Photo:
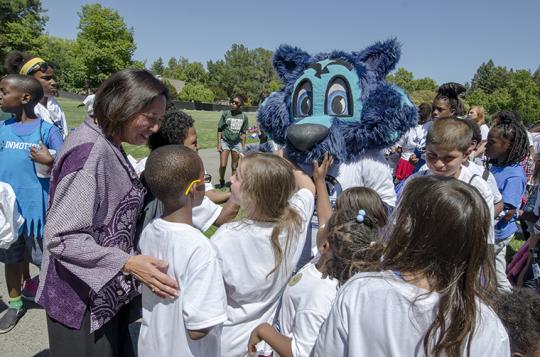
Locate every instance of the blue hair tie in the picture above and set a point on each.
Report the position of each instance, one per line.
(361, 216)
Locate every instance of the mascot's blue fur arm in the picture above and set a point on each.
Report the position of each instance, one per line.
(380, 115)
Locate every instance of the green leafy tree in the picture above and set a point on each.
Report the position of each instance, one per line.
(104, 43)
(158, 67)
(406, 80)
(524, 95)
(60, 52)
(21, 25)
(489, 77)
(243, 71)
(196, 92)
(195, 72)
(478, 97)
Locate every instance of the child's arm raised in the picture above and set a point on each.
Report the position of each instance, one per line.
(324, 207)
(303, 180)
(266, 332)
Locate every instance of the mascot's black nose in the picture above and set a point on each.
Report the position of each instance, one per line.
(305, 136)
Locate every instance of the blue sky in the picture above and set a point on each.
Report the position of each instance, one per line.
(445, 40)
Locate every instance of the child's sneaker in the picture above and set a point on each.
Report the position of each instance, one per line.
(10, 318)
(29, 288)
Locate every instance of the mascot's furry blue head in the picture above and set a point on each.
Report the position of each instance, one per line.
(336, 102)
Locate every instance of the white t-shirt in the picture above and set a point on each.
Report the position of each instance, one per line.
(246, 256)
(536, 142)
(372, 171)
(53, 114)
(414, 139)
(306, 303)
(479, 170)
(10, 218)
(484, 130)
(89, 102)
(201, 302)
(378, 314)
(468, 176)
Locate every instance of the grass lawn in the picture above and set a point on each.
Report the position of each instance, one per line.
(205, 123)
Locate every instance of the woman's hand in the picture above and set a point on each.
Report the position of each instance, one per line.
(320, 171)
(152, 272)
(41, 155)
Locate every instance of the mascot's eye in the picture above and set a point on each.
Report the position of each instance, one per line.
(338, 98)
(303, 100)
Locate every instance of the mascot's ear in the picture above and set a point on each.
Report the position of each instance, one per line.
(381, 57)
(290, 62)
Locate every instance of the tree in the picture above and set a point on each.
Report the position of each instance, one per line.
(60, 52)
(489, 77)
(158, 67)
(21, 25)
(406, 80)
(104, 44)
(524, 95)
(196, 92)
(243, 71)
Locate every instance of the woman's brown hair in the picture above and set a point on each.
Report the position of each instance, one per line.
(124, 95)
(441, 231)
(267, 185)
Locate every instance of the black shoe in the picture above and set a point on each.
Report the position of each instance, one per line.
(10, 318)
(228, 184)
(221, 184)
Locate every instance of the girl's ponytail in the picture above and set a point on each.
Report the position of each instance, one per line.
(291, 223)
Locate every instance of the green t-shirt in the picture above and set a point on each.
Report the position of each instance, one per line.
(232, 125)
(4, 115)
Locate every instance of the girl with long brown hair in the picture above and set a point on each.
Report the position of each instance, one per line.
(430, 292)
(259, 253)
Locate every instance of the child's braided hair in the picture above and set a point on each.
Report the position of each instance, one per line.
(513, 130)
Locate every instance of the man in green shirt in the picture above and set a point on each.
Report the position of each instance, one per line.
(232, 128)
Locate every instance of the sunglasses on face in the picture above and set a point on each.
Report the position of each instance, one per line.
(41, 66)
(235, 102)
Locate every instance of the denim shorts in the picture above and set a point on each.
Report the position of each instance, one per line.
(23, 249)
(231, 147)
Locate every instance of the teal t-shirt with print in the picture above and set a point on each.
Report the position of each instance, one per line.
(232, 125)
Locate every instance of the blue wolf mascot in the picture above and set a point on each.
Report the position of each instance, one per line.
(340, 103)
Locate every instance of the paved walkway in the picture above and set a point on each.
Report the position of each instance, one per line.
(29, 337)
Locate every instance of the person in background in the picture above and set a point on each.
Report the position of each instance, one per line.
(25, 141)
(447, 102)
(89, 103)
(506, 148)
(48, 108)
(478, 114)
(231, 137)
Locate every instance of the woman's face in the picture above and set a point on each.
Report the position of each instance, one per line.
(138, 130)
(235, 104)
(441, 109)
(47, 81)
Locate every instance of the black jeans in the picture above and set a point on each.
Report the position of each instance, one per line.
(111, 340)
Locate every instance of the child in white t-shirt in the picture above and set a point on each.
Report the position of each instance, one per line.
(309, 295)
(448, 146)
(259, 253)
(188, 325)
(178, 128)
(430, 292)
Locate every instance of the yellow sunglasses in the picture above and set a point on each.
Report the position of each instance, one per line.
(191, 185)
